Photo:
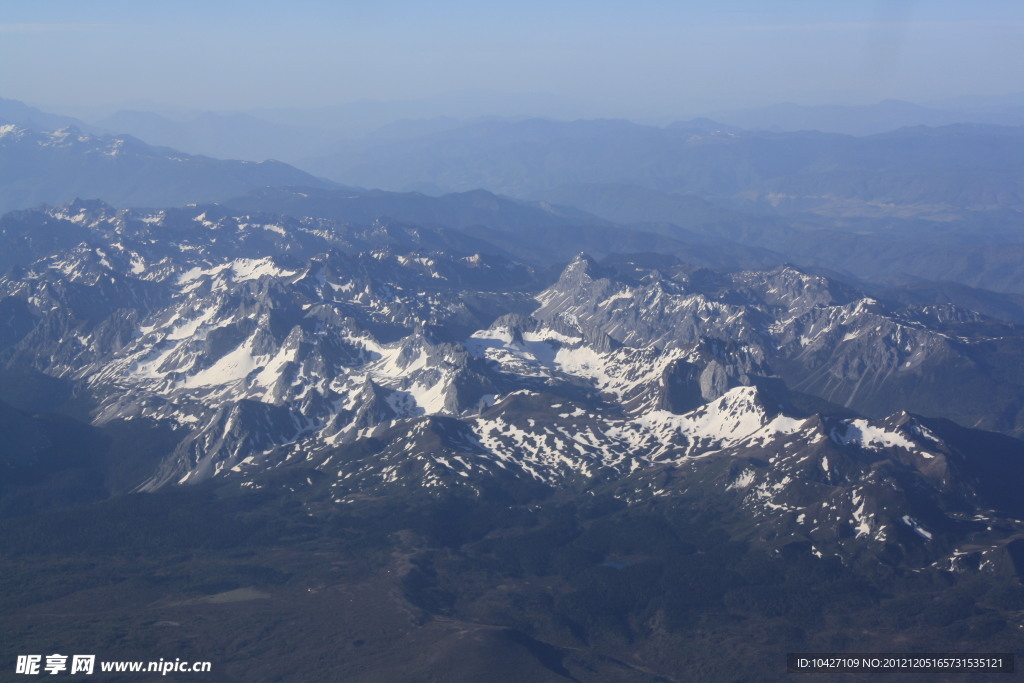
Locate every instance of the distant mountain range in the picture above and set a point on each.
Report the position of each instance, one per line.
(58, 166)
(224, 136)
(24, 116)
(871, 119)
(913, 171)
(906, 169)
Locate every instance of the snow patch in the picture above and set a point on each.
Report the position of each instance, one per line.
(745, 479)
(865, 435)
(918, 529)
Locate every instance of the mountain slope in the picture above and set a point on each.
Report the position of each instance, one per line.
(58, 166)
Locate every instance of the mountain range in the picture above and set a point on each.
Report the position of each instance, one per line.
(58, 166)
(932, 169)
(682, 400)
(387, 356)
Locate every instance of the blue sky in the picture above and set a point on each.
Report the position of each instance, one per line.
(651, 57)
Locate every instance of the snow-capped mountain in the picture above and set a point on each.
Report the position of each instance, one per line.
(378, 363)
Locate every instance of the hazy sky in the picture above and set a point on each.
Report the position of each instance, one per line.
(653, 57)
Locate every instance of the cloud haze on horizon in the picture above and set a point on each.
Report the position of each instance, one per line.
(650, 58)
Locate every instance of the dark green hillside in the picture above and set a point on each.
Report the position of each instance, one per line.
(405, 589)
